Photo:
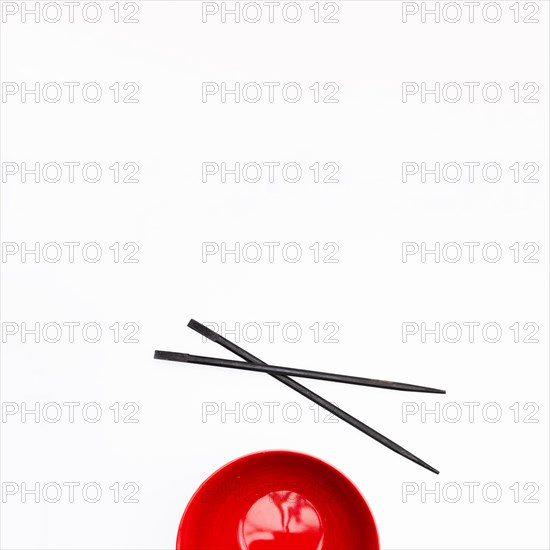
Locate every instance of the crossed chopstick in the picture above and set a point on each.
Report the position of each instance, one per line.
(282, 374)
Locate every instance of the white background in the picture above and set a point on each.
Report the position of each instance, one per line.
(368, 293)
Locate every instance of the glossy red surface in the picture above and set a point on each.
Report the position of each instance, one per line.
(277, 500)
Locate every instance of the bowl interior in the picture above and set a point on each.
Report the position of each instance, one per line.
(277, 500)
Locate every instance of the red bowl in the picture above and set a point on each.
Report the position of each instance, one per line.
(277, 500)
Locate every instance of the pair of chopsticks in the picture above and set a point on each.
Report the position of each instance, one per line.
(282, 375)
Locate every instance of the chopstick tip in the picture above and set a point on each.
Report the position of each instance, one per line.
(431, 468)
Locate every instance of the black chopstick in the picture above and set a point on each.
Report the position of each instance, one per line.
(296, 386)
(285, 371)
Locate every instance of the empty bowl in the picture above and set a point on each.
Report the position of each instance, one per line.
(277, 500)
